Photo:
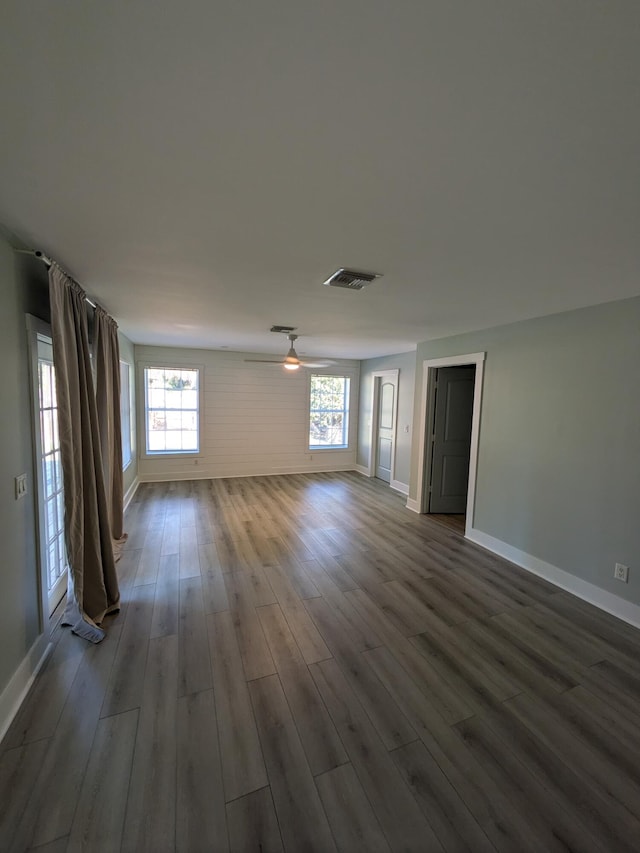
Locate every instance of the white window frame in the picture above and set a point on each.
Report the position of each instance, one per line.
(131, 409)
(336, 448)
(49, 598)
(142, 408)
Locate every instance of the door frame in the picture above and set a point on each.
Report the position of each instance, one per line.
(36, 326)
(425, 438)
(378, 376)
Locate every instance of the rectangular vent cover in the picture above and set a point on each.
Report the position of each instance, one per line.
(351, 279)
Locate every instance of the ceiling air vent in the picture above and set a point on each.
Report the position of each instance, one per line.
(284, 329)
(351, 279)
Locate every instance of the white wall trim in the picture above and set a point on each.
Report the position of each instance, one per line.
(182, 475)
(403, 488)
(413, 505)
(35, 327)
(625, 610)
(362, 469)
(16, 690)
(427, 398)
(128, 495)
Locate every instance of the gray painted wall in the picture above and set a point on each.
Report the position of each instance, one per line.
(24, 290)
(406, 363)
(559, 452)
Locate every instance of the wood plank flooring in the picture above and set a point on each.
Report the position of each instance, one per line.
(302, 664)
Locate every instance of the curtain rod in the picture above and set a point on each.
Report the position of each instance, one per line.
(36, 253)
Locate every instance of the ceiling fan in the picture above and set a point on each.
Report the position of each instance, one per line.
(291, 360)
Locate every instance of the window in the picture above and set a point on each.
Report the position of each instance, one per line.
(172, 409)
(50, 488)
(126, 407)
(329, 412)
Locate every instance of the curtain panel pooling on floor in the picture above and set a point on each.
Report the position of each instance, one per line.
(93, 584)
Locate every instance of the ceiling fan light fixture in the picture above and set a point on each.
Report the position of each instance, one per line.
(291, 360)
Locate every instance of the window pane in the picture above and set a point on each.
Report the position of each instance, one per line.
(50, 513)
(156, 441)
(189, 399)
(156, 398)
(189, 441)
(125, 412)
(174, 439)
(45, 386)
(189, 421)
(47, 431)
(174, 420)
(173, 399)
(60, 511)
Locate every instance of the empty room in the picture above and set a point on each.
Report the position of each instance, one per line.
(321, 426)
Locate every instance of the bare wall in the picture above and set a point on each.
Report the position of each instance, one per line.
(559, 453)
(24, 290)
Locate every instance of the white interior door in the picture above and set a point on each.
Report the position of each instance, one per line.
(385, 437)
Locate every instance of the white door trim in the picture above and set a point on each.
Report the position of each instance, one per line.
(427, 402)
(377, 376)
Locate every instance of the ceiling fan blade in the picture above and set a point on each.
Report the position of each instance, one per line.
(325, 363)
(263, 361)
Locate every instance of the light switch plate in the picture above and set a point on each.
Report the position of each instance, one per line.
(21, 486)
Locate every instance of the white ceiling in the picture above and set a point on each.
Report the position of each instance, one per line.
(202, 167)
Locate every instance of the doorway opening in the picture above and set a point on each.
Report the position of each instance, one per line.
(448, 438)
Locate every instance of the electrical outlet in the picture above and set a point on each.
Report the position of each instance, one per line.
(621, 573)
(21, 486)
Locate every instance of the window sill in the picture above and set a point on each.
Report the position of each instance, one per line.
(171, 455)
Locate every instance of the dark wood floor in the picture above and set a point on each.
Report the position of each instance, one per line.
(453, 521)
(302, 664)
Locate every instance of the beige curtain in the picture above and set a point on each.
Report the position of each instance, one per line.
(93, 583)
(107, 370)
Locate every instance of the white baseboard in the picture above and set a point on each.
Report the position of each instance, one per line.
(360, 469)
(413, 505)
(275, 472)
(625, 610)
(403, 488)
(16, 690)
(128, 495)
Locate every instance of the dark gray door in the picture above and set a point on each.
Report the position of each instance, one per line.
(452, 439)
(386, 429)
